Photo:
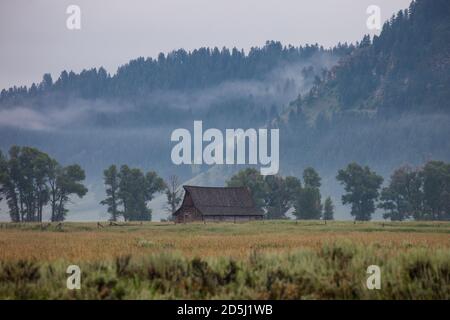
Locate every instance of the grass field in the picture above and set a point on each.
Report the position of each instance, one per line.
(258, 260)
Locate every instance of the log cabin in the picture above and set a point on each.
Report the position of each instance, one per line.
(217, 204)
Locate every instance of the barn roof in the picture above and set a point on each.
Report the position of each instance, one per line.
(235, 201)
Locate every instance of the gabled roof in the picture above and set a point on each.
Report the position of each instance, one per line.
(236, 201)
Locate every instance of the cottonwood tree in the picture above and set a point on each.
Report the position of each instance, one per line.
(403, 197)
(308, 204)
(136, 189)
(66, 182)
(280, 195)
(111, 180)
(23, 180)
(362, 190)
(8, 185)
(3, 174)
(436, 190)
(30, 179)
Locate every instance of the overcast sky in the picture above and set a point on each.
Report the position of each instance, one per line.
(34, 38)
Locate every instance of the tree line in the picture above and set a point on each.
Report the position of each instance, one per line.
(421, 193)
(177, 70)
(31, 180)
(276, 195)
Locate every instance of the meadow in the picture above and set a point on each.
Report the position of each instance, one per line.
(257, 260)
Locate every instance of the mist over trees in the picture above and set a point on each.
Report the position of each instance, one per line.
(178, 70)
(404, 69)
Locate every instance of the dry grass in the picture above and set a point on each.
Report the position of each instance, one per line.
(83, 242)
(260, 260)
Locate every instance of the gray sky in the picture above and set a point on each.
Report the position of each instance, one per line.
(34, 38)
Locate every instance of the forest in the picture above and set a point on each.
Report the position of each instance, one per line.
(177, 70)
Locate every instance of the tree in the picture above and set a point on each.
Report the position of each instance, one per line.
(132, 194)
(23, 180)
(173, 193)
(436, 190)
(111, 180)
(3, 174)
(273, 194)
(54, 189)
(254, 181)
(68, 182)
(30, 179)
(136, 190)
(328, 209)
(41, 166)
(362, 190)
(308, 204)
(402, 199)
(280, 195)
(47, 82)
(311, 178)
(9, 183)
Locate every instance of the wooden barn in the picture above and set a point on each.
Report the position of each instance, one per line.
(217, 204)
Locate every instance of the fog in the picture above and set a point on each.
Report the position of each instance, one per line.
(98, 133)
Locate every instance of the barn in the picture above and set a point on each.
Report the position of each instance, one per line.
(217, 204)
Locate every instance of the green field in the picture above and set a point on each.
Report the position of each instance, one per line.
(258, 260)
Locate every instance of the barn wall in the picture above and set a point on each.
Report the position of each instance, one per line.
(188, 214)
(231, 218)
(192, 215)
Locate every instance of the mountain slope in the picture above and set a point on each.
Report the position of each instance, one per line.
(405, 69)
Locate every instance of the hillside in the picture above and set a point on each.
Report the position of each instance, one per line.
(404, 69)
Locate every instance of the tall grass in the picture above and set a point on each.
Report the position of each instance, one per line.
(336, 270)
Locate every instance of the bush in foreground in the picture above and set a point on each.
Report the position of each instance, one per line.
(336, 271)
